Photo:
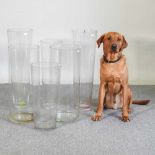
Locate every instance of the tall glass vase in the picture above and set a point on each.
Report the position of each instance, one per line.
(87, 41)
(21, 55)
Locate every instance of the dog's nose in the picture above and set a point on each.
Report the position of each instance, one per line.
(113, 47)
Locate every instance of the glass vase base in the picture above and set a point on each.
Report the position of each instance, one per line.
(63, 117)
(21, 117)
(45, 125)
(85, 106)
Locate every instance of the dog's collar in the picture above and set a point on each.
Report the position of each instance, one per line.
(104, 58)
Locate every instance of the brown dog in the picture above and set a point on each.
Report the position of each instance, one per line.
(114, 77)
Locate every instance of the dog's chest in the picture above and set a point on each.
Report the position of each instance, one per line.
(112, 72)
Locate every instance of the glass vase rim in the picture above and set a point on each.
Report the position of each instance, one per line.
(19, 30)
(66, 44)
(85, 31)
(50, 40)
(31, 46)
(46, 64)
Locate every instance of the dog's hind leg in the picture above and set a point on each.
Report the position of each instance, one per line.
(109, 103)
(129, 99)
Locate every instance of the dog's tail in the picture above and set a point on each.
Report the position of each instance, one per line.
(140, 102)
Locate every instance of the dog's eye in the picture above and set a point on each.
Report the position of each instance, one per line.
(109, 38)
(119, 39)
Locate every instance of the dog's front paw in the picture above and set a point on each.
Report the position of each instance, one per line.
(96, 117)
(125, 118)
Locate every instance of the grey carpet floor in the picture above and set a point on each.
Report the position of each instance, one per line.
(84, 137)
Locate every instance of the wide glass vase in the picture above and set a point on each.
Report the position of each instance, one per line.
(68, 55)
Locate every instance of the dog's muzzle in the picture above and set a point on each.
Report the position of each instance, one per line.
(113, 47)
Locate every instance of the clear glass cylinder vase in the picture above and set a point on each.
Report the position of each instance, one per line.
(21, 57)
(68, 54)
(87, 42)
(45, 77)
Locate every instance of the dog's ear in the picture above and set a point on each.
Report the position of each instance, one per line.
(100, 40)
(124, 44)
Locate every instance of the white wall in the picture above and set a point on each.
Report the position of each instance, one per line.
(56, 18)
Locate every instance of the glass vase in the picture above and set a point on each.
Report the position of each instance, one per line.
(87, 41)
